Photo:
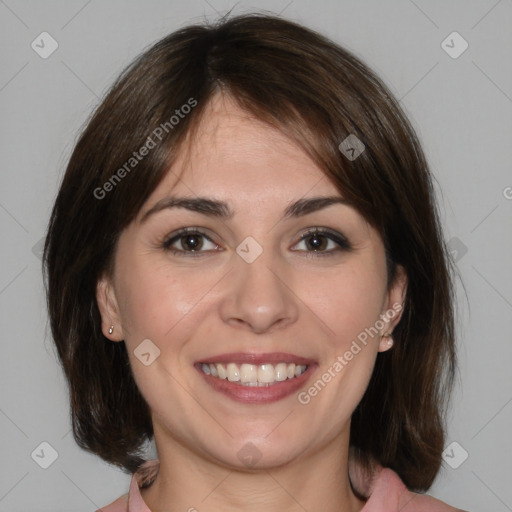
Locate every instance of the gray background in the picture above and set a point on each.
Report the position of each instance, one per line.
(461, 108)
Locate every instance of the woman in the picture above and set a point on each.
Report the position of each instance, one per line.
(245, 263)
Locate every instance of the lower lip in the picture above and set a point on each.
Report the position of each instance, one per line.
(258, 395)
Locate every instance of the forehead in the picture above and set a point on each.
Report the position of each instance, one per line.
(234, 156)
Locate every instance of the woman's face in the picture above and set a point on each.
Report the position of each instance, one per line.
(244, 290)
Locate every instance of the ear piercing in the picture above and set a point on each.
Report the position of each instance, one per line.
(111, 330)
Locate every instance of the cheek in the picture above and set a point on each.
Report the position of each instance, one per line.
(145, 295)
(157, 302)
(159, 305)
(353, 300)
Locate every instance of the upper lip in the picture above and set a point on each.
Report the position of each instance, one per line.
(257, 358)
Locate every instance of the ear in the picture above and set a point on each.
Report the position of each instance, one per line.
(394, 306)
(109, 310)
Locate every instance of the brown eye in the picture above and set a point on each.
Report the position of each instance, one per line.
(191, 242)
(323, 242)
(316, 242)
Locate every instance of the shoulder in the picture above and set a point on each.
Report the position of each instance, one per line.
(383, 489)
(120, 505)
(388, 488)
(133, 502)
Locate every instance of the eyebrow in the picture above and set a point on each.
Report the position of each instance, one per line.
(220, 209)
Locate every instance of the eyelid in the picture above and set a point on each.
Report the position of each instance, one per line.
(334, 236)
(331, 234)
(172, 238)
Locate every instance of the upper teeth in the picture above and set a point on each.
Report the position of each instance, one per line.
(254, 375)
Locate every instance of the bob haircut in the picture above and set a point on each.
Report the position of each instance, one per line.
(318, 94)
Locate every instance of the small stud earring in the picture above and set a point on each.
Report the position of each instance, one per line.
(111, 330)
(389, 341)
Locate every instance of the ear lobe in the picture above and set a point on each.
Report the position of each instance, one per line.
(107, 304)
(385, 343)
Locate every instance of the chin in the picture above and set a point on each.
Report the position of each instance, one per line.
(258, 452)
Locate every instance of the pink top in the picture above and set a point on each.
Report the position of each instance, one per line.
(385, 493)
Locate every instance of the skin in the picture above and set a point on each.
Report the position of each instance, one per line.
(290, 299)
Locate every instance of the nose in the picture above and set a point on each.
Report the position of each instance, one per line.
(258, 296)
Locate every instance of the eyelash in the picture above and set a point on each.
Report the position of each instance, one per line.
(343, 243)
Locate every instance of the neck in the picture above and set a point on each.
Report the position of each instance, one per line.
(188, 481)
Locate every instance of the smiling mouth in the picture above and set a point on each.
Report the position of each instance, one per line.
(261, 375)
(256, 378)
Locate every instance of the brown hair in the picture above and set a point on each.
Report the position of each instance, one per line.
(317, 93)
